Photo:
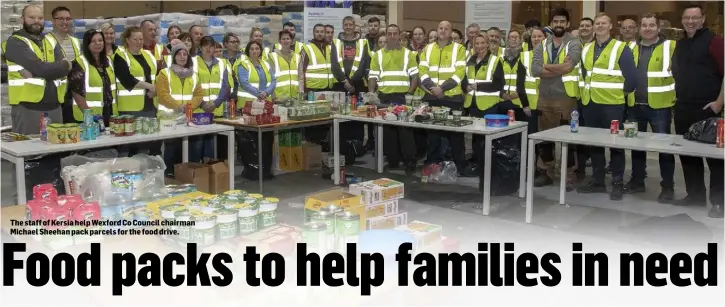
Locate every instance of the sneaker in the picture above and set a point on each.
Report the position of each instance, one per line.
(592, 187)
(716, 212)
(543, 180)
(617, 191)
(633, 187)
(690, 200)
(667, 195)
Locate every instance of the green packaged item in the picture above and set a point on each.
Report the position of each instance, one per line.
(247, 218)
(227, 224)
(185, 232)
(268, 212)
(204, 230)
(314, 235)
(347, 229)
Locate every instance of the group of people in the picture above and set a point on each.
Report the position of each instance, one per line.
(542, 74)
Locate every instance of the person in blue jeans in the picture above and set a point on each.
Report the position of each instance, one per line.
(654, 99)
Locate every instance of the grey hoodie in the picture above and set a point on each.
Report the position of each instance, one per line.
(645, 54)
(553, 87)
(18, 52)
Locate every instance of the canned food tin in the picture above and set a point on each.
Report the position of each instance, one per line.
(614, 127)
(185, 232)
(211, 208)
(327, 218)
(112, 124)
(227, 224)
(512, 116)
(334, 209)
(139, 124)
(204, 230)
(154, 125)
(146, 126)
(247, 218)
(347, 229)
(268, 212)
(315, 236)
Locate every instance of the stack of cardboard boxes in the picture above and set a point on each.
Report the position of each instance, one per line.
(380, 198)
(290, 151)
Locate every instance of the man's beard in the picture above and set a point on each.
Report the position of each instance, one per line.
(558, 31)
(512, 51)
(33, 28)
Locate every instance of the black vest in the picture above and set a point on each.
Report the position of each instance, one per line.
(697, 78)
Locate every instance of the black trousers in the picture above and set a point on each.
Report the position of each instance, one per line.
(438, 141)
(686, 114)
(601, 116)
(399, 142)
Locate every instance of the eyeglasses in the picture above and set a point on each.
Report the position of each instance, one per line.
(66, 19)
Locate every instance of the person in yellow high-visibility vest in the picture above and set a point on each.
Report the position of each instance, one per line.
(609, 75)
(37, 73)
(296, 46)
(136, 70)
(554, 62)
(442, 68)
(178, 87)
(286, 63)
(215, 77)
(256, 83)
(653, 102)
(92, 82)
(394, 72)
(63, 34)
(417, 43)
(494, 39)
(514, 92)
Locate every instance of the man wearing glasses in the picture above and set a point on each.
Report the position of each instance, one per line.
(62, 32)
(628, 31)
(697, 66)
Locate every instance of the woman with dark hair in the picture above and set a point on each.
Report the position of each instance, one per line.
(92, 83)
(457, 36)
(418, 39)
(178, 87)
(256, 82)
(172, 33)
(186, 39)
(286, 63)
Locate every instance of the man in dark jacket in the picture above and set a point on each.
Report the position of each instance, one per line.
(698, 71)
(26, 115)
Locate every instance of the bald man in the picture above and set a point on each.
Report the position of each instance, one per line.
(442, 68)
(628, 31)
(25, 65)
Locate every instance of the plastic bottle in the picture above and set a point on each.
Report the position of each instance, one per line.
(44, 122)
(574, 123)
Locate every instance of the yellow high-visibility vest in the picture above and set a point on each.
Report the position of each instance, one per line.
(660, 83)
(94, 89)
(211, 82)
(319, 71)
(133, 100)
(182, 92)
(484, 74)
(604, 82)
(254, 79)
(32, 90)
(392, 69)
(285, 72)
(442, 64)
(532, 83)
(571, 80)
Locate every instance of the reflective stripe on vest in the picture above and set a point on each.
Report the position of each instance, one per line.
(532, 83)
(571, 80)
(439, 74)
(183, 94)
(133, 100)
(484, 100)
(361, 46)
(393, 77)
(510, 76)
(32, 90)
(253, 79)
(286, 75)
(93, 84)
(660, 83)
(604, 82)
(319, 73)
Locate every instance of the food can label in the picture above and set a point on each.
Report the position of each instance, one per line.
(247, 224)
(268, 218)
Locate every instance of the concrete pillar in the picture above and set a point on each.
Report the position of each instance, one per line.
(395, 13)
(590, 8)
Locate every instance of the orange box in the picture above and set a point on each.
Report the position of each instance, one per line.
(297, 159)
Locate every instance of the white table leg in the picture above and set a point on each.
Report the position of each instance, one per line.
(562, 183)
(214, 147)
(487, 175)
(379, 148)
(524, 164)
(185, 149)
(231, 157)
(336, 150)
(20, 179)
(259, 160)
(530, 182)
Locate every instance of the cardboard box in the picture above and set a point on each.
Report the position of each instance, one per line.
(210, 177)
(378, 191)
(382, 209)
(290, 158)
(311, 156)
(194, 173)
(328, 159)
(218, 175)
(426, 235)
(337, 197)
(387, 222)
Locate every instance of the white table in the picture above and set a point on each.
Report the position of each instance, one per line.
(16, 152)
(598, 137)
(478, 127)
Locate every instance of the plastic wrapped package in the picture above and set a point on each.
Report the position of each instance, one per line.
(704, 131)
(445, 172)
(41, 170)
(109, 181)
(505, 165)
